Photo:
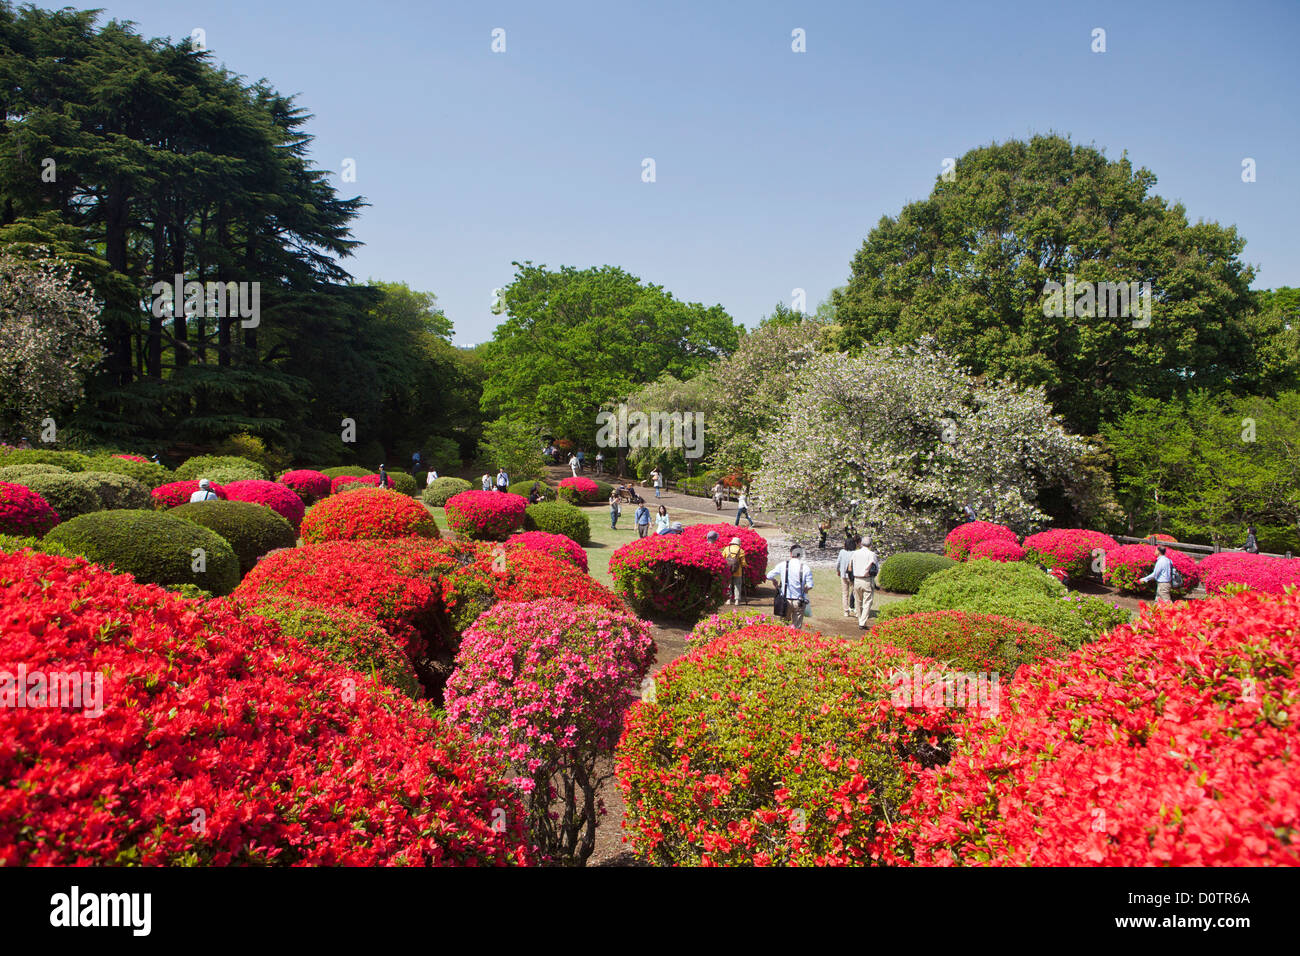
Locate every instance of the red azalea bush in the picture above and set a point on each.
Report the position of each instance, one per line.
(178, 493)
(1255, 571)
(556, 545)
(772, 746)
(486, 515)
(980, 643)
(962, 538)
(139, 458)
(666, 574)
(275, 496)
(1126, 566)
(544, 685)
(996, 549)
(1167, 538)
(339, 482)
(751, 542)
(1068, 549)
(579, 490)
(1170, 742)
(523, 575)
(24, 513)
(310, 486)
(221, 742)
(369, 513)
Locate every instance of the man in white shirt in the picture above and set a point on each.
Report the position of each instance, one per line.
(863, 565)
(204, 493)
(844, 568)
(795, 578)
(1163, 575)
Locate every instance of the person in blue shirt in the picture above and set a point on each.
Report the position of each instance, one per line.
(642, 518)
(795, 578)
(503, 480)
(1163, 575)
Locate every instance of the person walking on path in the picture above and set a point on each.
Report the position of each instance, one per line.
(503, 480)
(844, 568)
(204, 492)
(657, 477)
(736, 564)
(864, 569)
(1163, 575)
(742, 509)
(384, 480)
(600, 462)
(615, 509)
(573, 465)
(717, 495)
(486, 481)
(1252, 546)
(661, 521)
(582, 459)
(432, 477)
(794, 579)
(642, 519)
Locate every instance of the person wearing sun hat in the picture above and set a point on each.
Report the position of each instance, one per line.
(734, 554)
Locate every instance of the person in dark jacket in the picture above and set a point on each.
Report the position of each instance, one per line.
(1252, 546)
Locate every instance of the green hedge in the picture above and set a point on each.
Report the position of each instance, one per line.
(404, 483)
(436, 495)
(906, 571)
(558, 517)
(250, 529)
(223, 469)
(11, 543)
(154, 546)
(352, 471)
(524, 487)
(71, 460)
(14, 474)
(148, 473)
(66, 494)
(115, 491)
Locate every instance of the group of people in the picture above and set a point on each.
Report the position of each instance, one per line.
(500, 483)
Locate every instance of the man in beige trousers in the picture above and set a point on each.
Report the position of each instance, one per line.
(864, 585)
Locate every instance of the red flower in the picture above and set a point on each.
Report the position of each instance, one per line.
(996, 549)
(310, 486)
(556, 545)
(178, 493)
(1072, 550)
(277, 497)
(751, 542)
(376, 513)
(963, 537)
(24, 513)
(1126, 566)
(490, 515)
(670, 575)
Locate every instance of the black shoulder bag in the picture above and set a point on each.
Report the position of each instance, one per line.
(778, 603)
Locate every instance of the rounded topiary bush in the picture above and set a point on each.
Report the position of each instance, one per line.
(1072, 550)
(996, 549)
(979, 643)
(1225, 569)
(668, 575)
(771, 746)
(963, 537)
(279, 498)
(148, 473)
(578, 490)
(367, 513)
(251, 530)
(68, 460)
(485, 515)
(154, 547)
(525, 488)
(16, 473)
(296, 760)
(116, 491)
(442, 490)
(66, 494)
(24, 513)
(558, 517)
(222, 469)
(176, 493)
(751, 542)
(310, 486)
(556, 545)
(906, 571)
(402, 483)
(352, 470)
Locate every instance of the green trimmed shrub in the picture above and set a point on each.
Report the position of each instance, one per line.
(14, 474)
(148, 473)
(10, 543)
(71, 460)
(154, 546)
(906, 571)
(603, 490)
(223, 469)
(403, 483)
(250, 529)
(66, 494)
(978, 643)
(524, 487)
(558, 517)
(437, 494)
(352, 471)
(115, 491)
(190, 591)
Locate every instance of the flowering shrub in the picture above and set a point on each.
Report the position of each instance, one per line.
(1167, 538)
(485, 515)
(178, 493)
(558, 517)
(250, 530)
(310, 486)
(728, 622)
(1171, 742)
(1126, 566)
(996, 549)
(545, 685)
(556, 545)
(772, 746)
(1067, 549)
(521, 575)
(140, 458)
(578, 490)
(962, 538)
(906, 571)
(1255, 571)
(277, 497)
(987, 643)
(24, 513)
(368, 513)
(667, 575)
(751, 542)
(149, 473)
(288, 757)
(339, 482)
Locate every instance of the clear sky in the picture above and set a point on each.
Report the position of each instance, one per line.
(771, 166)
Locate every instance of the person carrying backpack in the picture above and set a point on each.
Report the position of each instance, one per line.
(794, 579)
(1163, 574)
(864, 565)
(844, 568)
(204, 492)
(615, 509)
(734, 554)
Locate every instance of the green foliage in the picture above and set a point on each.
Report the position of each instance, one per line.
(65, 493)
(154, 546)
(68, 460)
(906, 571)
(558, 517)
(190, 591)
(254, 449)
(114, 491)
(441, 489)
(351, 471)
(16, 473)
(402, 482)
(512, 445)
(251, 530)
(148, 473)
(12, 543)
(222, 469)
(524, 487)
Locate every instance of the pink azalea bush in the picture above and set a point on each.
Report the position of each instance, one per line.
(751, 542)
(556, 545)
(310, 486)
(1126, 566)
(667, 574)
(139, 458)
(997, 549)
(24, 513)
(485, 515)
(178, 493)
(962, 538)
(578, 490)
(279, 498)
(1068, 549)
(1255, 571)
(544, 685)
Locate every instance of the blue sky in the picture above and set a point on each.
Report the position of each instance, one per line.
(771, 166)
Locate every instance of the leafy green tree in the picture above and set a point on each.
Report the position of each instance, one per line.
(513, 445)
(970, 265)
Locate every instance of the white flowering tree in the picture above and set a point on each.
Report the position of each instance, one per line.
(50, 339)
(900, 438)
